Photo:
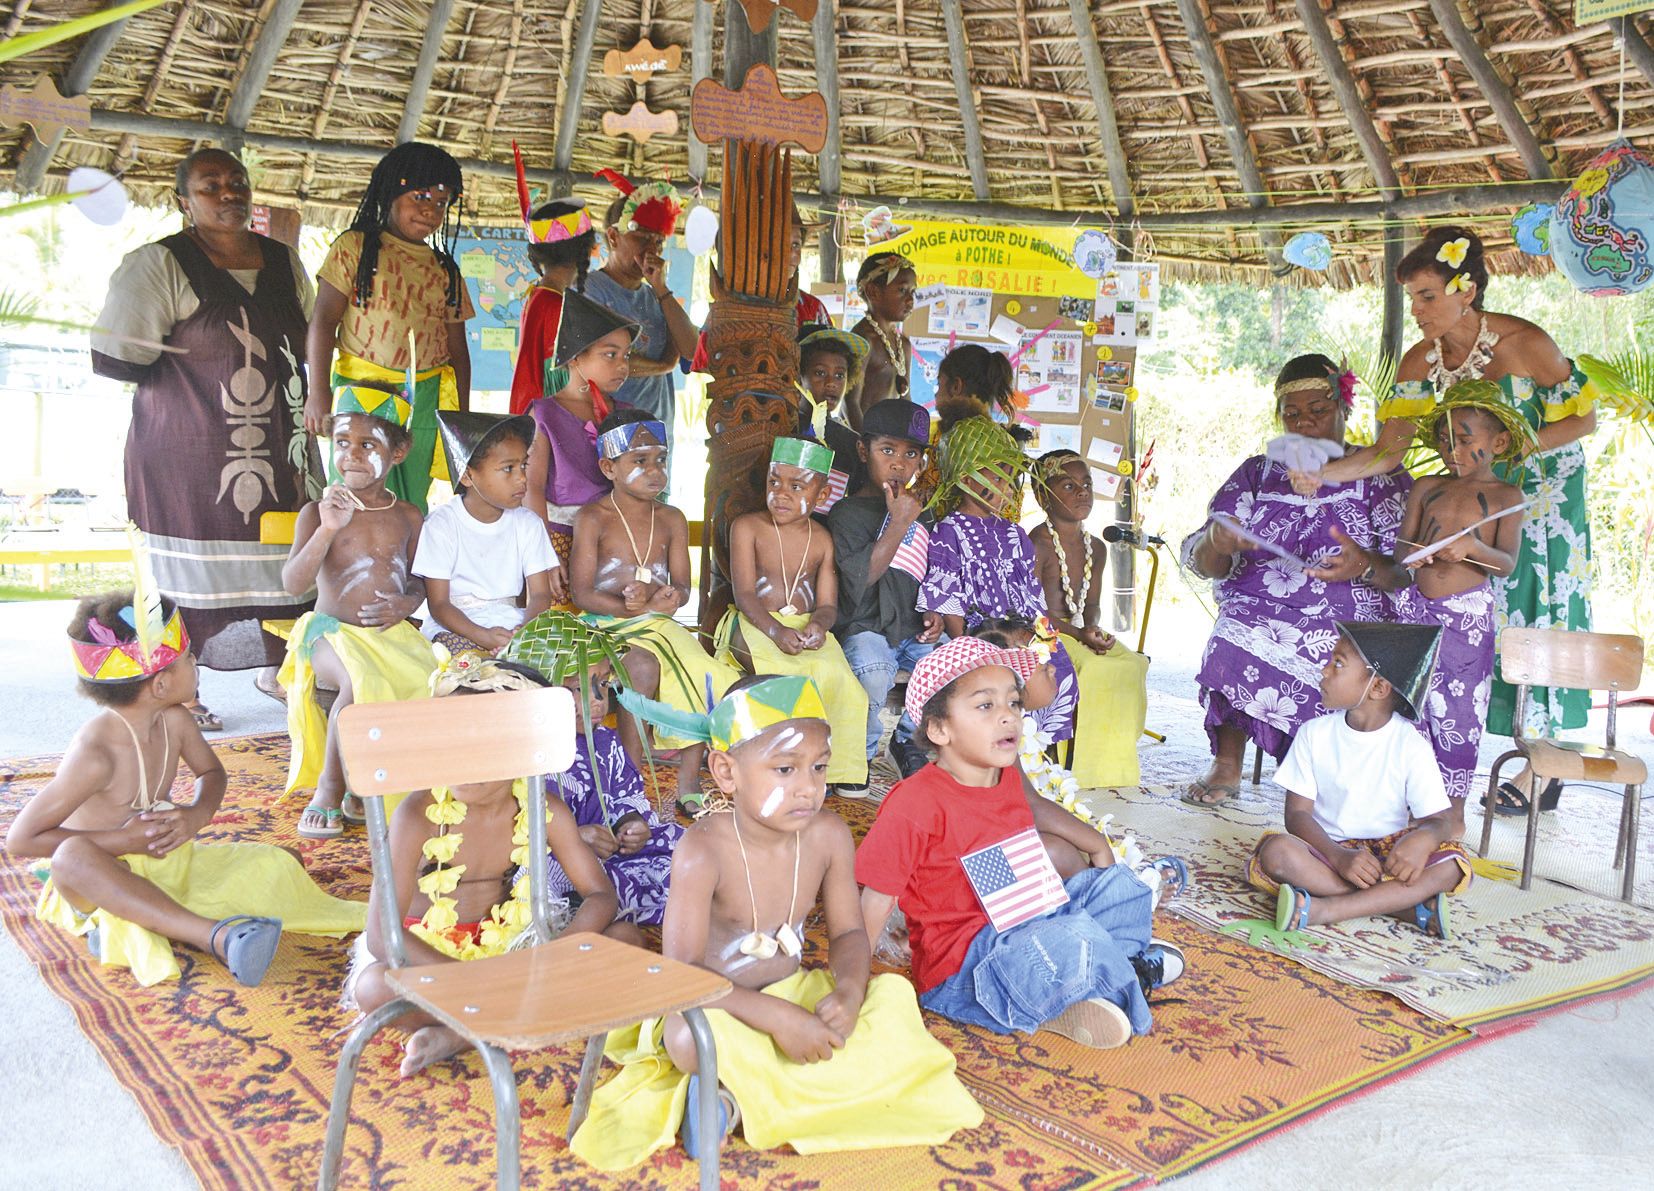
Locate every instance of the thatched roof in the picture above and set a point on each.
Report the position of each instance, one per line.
(346, 67)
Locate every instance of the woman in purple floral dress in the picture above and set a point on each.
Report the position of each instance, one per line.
(1276, 626)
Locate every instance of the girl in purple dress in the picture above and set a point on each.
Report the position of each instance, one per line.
(1260, 677)
(981, 563)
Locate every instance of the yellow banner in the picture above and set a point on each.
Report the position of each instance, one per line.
(1590, 11)
(1025, 261)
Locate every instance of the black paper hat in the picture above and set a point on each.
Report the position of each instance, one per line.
(583, 323)
(1403, 655)
(466, 434)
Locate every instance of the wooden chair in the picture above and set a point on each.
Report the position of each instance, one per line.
(579, 986)
(1581, 661)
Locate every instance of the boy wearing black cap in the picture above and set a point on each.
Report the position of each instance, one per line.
(881, 539)
(1369, 824)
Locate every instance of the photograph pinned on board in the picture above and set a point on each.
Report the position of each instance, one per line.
(964, 312)
(1115, 372)
(1111, 401)
(1116, 323)
(1048, 370)
(1145, 325)
(1077, 310)
(1140, 283)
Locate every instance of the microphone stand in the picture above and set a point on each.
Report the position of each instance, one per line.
(1150, 549)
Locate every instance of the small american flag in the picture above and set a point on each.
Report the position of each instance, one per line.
(837, 482)
(1014, 880)
(913, 555)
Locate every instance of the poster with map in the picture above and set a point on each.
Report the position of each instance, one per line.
(493, 262)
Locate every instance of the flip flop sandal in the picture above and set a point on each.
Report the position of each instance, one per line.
(1228, 792)
(692, 805)
(1431, 916)
(205, 719)
(1510, 800)
(729, 1116)
(332, 827)
(357, 819)
(1174, 876)
(249, 945)
(1288, 914)
(273, 691)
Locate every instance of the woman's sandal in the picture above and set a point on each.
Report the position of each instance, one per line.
(729, 1116)
(357, 817)
(692, 805)
(1431, 916)
(273, 691)
(1510, 800)
(1226, 791)
(1289, 915)
(204, 718)
(249, 945)
(1174, 876)
(332, 822)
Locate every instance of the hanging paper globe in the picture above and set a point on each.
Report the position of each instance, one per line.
(1530, 227)
(700, 231)
(1603, 225)
(1308, 250)
(1094, 252)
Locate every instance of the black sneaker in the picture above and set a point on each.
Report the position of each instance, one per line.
(908, 756)
(1157, 965)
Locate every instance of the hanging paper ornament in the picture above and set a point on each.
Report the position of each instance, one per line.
(1531, 228)
(1094, 252)
(1308, 250)
(700, 230)
(1604, 223)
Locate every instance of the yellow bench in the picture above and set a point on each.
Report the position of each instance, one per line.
(51, 556)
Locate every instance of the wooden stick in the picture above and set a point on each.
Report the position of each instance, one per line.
(1473, 562)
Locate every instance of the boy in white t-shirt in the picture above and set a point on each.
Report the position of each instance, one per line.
(1368, 820)
(483, 551)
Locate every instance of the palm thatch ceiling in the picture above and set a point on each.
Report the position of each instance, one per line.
(1219, 106)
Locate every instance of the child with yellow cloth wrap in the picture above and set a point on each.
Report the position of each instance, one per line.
(821, 1060)
(786, 600)
(355, 546)
(127, 870)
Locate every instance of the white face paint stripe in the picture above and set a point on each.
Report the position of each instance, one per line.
(770, 803)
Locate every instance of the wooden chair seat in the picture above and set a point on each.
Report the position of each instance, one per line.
(1585, 763)
(574, 987)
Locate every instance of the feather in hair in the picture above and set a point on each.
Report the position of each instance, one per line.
(686, 725)
(147, 621)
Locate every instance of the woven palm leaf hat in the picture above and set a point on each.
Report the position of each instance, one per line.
(1490, 399)
(981, 449)
(1404, 655)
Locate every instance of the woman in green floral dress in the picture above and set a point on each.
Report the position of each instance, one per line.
(1446, 278)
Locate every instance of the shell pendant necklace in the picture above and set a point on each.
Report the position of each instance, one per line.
(758, 944)
(1476, 360)
(789, 589)
(1073, 607)
(641, 571)
(898, 360)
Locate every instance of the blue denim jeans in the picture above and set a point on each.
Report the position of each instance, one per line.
(875, 663)
(1019, 980)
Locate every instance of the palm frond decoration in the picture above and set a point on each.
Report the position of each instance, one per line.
(28, 43)
(1624, 382)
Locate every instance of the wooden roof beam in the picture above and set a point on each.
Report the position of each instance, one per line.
(76, 80)
(574, 98)
(1102, 98)
(1228, 113)
(959, 59)
(700, 67)
(1344, 90)
(1493, 86)
(829, 162)
(1636, 46)
(430, 50)
(498, 102)
(261, 59)
(158, 76)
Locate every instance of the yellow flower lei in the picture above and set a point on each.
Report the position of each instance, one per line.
(506, 920)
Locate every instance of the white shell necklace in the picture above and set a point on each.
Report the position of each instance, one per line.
(1072, 607)
(758, 944)
(1476, 360)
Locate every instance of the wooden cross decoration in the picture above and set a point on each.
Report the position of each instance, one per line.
(760, 12)
(757, 111)
(44, 110)
(642, 61)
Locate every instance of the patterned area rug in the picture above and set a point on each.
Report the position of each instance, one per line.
(238, 1080)
(1514, 952)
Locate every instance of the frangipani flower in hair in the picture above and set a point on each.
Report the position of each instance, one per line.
(1453, 252)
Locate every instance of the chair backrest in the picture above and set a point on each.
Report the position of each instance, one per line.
(1561, 658)
(392, 747)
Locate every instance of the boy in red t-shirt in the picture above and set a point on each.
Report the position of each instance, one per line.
(998, 939)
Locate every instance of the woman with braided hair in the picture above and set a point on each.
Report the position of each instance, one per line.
(389, 295)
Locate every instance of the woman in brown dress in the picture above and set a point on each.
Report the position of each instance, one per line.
(217, 437)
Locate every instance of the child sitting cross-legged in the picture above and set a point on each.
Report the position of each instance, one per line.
(631, 560)
(881, 542)
(126, 869)
(1369, 827)
(1072, 564)
(822, 1060)
(460, 868)
(998, 939)
(356, 547)
(603, 788)
(786, 600)
(483, 551)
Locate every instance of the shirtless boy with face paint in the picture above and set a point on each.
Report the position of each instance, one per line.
(821, 1060)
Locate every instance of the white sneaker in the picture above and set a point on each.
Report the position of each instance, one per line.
(1096, 1023)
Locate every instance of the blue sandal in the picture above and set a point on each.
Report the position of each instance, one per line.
(1289, 915)
(249, 944)
(1174, 876)
(729, 1115)
(1431, 916)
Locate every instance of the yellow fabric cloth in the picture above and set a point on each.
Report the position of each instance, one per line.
(892, 1084)
(214, 881)
(845, 697)
(410, 291)
(1114, 704)
(384, 667)
(1573, 398)
(348, 367)
(666, 636)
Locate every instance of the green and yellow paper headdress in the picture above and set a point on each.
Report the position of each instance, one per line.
(374, 403)
(982, 449)
(800, 452)
(740, 715)
(1490, 399)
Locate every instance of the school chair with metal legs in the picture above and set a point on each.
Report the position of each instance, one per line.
(1579, 661)
(553, 992)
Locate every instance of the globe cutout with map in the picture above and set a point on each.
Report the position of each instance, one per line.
(1603, 225)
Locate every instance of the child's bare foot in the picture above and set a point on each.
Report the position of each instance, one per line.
(430, 1044)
